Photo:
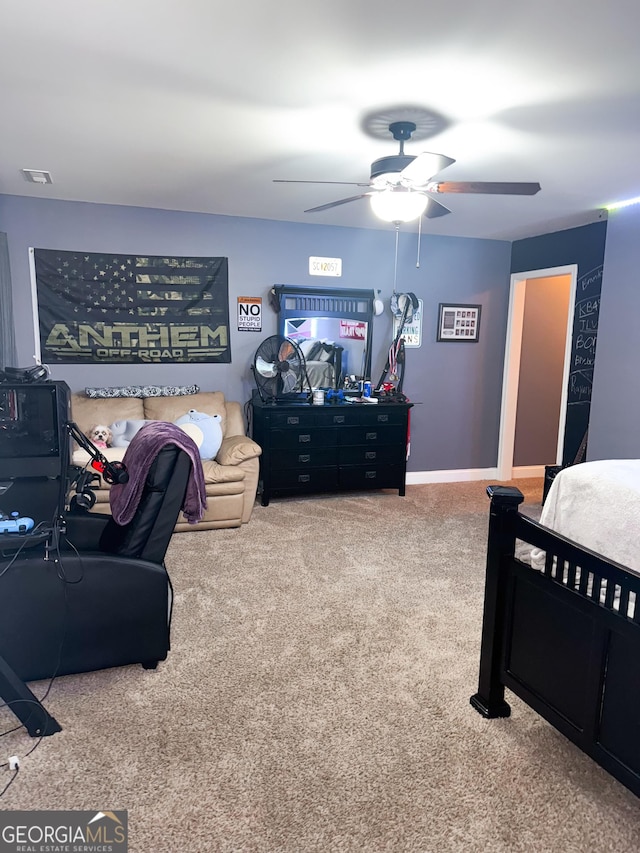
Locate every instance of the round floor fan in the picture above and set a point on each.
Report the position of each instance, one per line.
(279, 369)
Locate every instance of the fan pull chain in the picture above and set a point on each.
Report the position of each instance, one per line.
(395, 263)
(419, 234)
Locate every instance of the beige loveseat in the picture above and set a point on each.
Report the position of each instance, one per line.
(231, 478)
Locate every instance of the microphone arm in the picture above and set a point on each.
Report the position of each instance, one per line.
(113, 472)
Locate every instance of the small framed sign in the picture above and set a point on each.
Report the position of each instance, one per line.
(325, 266)
(459, 322)
(412, 331)
(249, 313)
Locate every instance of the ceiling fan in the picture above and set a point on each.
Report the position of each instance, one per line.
(401, 186)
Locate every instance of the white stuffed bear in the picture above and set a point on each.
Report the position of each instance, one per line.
(205, 430)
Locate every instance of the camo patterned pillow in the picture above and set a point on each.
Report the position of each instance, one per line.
(142, 391)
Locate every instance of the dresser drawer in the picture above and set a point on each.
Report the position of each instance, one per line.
(378, 454)
(338, 416)
(382, 415)
(313, 479)
(292, 439)
(303, 417)
(372, 434)
(301, 458)
(311, 416)
(371, 476)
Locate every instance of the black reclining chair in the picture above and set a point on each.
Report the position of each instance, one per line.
(94, 595)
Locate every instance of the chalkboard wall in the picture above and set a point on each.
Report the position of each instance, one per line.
(583, 246)
(615, 405)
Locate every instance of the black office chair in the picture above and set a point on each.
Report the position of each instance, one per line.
(96, 595)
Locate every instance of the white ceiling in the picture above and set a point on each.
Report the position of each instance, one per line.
(199, 104)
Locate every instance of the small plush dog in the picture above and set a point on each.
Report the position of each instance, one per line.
(100, 435)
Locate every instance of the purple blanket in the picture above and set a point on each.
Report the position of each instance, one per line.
(143, 449)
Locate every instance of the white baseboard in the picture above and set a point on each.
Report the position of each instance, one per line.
(457, 475)
(460, 475)
(523, 471)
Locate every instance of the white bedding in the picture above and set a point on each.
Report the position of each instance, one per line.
(321, 374)
(597, 504)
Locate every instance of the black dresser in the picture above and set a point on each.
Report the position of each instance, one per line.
(330, 448)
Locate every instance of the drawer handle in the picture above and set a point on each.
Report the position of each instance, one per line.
(338, 419)
(382, 419)
(305, 438)
(371, 436)
(370, 475)
(370, 454)
(293, 420)
(304, 478)
(304, 457)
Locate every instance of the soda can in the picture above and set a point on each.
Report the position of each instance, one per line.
(367, 389)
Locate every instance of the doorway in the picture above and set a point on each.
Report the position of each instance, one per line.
(535, 301)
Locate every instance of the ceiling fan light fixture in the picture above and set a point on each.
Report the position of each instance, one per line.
(398, 204)
(387, 179)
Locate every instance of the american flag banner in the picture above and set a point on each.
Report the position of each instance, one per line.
(128, 309)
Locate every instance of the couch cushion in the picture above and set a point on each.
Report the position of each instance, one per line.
(87, 413)
(216, 473)
(236, 449)
(172, 408)
(81, 458)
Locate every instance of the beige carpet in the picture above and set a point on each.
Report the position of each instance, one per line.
(317, 699)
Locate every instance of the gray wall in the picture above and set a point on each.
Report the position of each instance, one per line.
(614, 427)
(456, 387)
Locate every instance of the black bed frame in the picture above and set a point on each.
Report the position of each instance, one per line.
(566, 640)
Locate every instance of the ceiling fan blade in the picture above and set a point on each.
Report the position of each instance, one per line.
(435, 209)
(344, 183)
(336, 203)
(424, 167)
(487, 187)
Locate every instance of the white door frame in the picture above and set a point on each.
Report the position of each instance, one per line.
(511, 376)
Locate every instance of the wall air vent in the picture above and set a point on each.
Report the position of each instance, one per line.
(37, 176)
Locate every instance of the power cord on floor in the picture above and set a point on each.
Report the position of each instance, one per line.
(13, 763)
(16, 770)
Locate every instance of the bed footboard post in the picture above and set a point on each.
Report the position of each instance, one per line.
(489, 700)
